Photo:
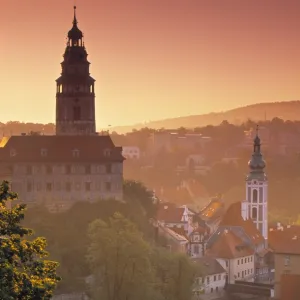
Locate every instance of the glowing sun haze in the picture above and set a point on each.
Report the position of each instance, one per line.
(151, 59)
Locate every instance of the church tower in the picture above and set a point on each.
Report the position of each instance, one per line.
(256, 204)
(75, 94)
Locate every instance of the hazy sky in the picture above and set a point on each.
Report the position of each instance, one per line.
(151, 59)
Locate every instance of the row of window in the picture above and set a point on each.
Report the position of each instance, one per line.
(245, 273)
(245, 260)
(68, 169)
(75, 152)
(68, 186)
(215, 278)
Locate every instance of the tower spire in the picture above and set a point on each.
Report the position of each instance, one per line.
(75, 19)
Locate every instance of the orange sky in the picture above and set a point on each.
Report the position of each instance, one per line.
(151, 59)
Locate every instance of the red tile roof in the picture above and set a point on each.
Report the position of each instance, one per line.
(59, 148)
(169, 213)
(213, 210)
(290, 287)
(233, 217)
(286, 241)
(228, 246)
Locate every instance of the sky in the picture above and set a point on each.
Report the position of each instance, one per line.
(152, 59)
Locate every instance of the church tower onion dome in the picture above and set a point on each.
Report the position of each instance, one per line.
(257, 163)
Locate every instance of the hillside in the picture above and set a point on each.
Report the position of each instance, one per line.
(288, 110)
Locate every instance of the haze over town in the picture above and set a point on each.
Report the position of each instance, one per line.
(201, 207)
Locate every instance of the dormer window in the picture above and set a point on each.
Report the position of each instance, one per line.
(44, 152)
(13, 152)
(107, 152)
(75, 153)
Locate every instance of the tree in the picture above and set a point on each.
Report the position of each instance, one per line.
(24, 274)
(175, 274)
(120, 261)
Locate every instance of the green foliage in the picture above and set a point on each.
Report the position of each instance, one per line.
(24, 274)
(119, 258)
(126, 267)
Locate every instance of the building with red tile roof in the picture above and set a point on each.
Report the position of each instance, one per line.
(234, 254)
(76, 164)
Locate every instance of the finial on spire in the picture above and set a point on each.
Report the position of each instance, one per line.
(75, 19)
(257, 128)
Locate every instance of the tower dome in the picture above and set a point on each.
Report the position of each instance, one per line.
(75, 34)
(256, 163)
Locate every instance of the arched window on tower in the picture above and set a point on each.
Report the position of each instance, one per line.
(76, 113)
(254, 213)
(254, 196)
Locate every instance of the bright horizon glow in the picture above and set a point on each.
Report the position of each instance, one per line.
(151, 60)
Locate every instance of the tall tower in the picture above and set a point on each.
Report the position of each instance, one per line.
(75, 94)
(256, 204)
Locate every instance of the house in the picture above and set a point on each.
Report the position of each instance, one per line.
(285, 244)
(233, 253)
(233, 218)
(290, 287)
(174, 241)
(131, 152)
(212, 280)
(169, 215)
(197, 241)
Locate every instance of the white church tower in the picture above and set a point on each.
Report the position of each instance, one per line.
(256, 204)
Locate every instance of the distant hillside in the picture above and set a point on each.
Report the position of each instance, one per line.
(288, 110)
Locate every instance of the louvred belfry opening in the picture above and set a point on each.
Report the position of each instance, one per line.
(75, 91)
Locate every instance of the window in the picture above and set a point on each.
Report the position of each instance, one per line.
(226, 263)
(287, 260)
(29, 170)
(212, 290)
(254, 213)
(87, 186)
(242, 274)
(219, 277)
(207, 280)
(254, 196)
(196, 249)
(215, 278)
(251, 258)
(76, 113)
(88, 169)
(49, 170)
(13, 152)
(29, 187)
(238, 274)
(238, 262)
(68, 186)
(75, 153)
(241, 261)
(49, 186)
(108, 186)
(44, 152)
(217, 288)
(68, 169)
(108, 168)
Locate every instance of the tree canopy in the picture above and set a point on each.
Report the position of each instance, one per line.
(24, 272)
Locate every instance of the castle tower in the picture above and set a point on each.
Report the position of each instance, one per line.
(75, 96)
(256, 204)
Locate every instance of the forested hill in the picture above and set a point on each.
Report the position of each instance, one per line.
(288, 110)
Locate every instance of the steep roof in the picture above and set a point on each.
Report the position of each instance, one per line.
(286, 241)
(29, 148)
(213, 210)
(209, 265)
(228, 245)
(169, 213)
(233, 217)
